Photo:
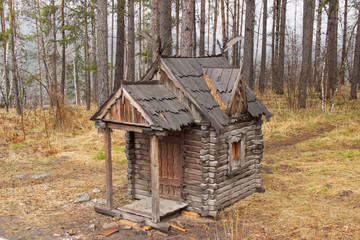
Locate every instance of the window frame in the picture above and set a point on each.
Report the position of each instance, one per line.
(236, 163)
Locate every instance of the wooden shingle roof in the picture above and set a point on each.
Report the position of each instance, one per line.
(189, 73)
(153, 105)
(223, 80)
(161, 106)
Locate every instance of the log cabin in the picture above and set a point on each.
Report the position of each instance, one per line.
(193, 136)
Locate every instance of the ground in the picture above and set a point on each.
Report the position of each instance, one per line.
(310, 172)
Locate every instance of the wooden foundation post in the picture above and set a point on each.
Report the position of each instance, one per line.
(155, 182)
(108, 167)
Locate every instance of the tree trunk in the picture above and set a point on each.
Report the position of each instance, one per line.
(344, 40)
(317, 69)
(102, 59)
(177, 9)
(54, 61)
(208, 29)
(131, 43)
(63, 58)
(155, 25)
(186, 49)
(14, 66)
(248, 64)
(215, 27)
(281, 62)
(308, 27)
(332, 47)
(355, 78)
(140, 20)
(273, 53)
(120, 45)
(241, 28)
(234, 48)
(86, 59)
(47, 77)
(202, 30)
(263, 50)
(276, 52)
(223, 24)
(6, 70)
(165, 25)
(111, 85)
(194, 29)
(257, 42)
(93, 51)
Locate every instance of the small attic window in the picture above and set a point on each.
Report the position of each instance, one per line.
(236, 153)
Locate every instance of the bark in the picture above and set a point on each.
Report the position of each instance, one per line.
(155, 25)
(235, 49)
(275, 73)
(93, 50)
(215, 27)
(194, 30)
(6, 70)
(241, 28)
(177, 10)
(131, 43)
(208, 29)
(120, 45)
(263, 50)
(223, 23)
(202, 30)
(317, 68)
(54, 82)
(86, 59)
(112, 45)
(140, 41)
(165, 25)
(102, 48)
(257, 41)
(47, 78)
(332, 47)
(355, 78)
(281, 62)
(14, 61)
(305, 74)
(186, 49)
(343, 51)
(39, 63)
(63, 58)
(273, 53)
(248, 65)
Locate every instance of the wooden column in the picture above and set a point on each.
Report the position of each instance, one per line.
(155, 182)
(108, 167)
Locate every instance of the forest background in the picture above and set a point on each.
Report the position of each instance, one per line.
(62, 59)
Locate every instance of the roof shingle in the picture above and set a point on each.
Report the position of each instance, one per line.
(162, 107)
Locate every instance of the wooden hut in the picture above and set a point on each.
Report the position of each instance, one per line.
(193, 135)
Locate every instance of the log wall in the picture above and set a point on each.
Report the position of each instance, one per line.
(193, 169)
(138, 155)
(233, 186)
(208, 186)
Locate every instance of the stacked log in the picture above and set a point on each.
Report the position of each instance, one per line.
(141, 176)
(192, 188)
(232, 187)
(130, 155)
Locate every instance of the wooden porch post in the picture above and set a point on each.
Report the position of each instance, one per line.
(155, 179)
(108, 167)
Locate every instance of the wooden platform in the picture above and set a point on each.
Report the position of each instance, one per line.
(142, 208)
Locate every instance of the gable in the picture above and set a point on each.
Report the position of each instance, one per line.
(121, 108)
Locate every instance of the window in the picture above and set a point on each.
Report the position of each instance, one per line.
(236, 153)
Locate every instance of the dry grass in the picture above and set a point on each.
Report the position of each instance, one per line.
(72, 163)
(311, 170)
(310, 173)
